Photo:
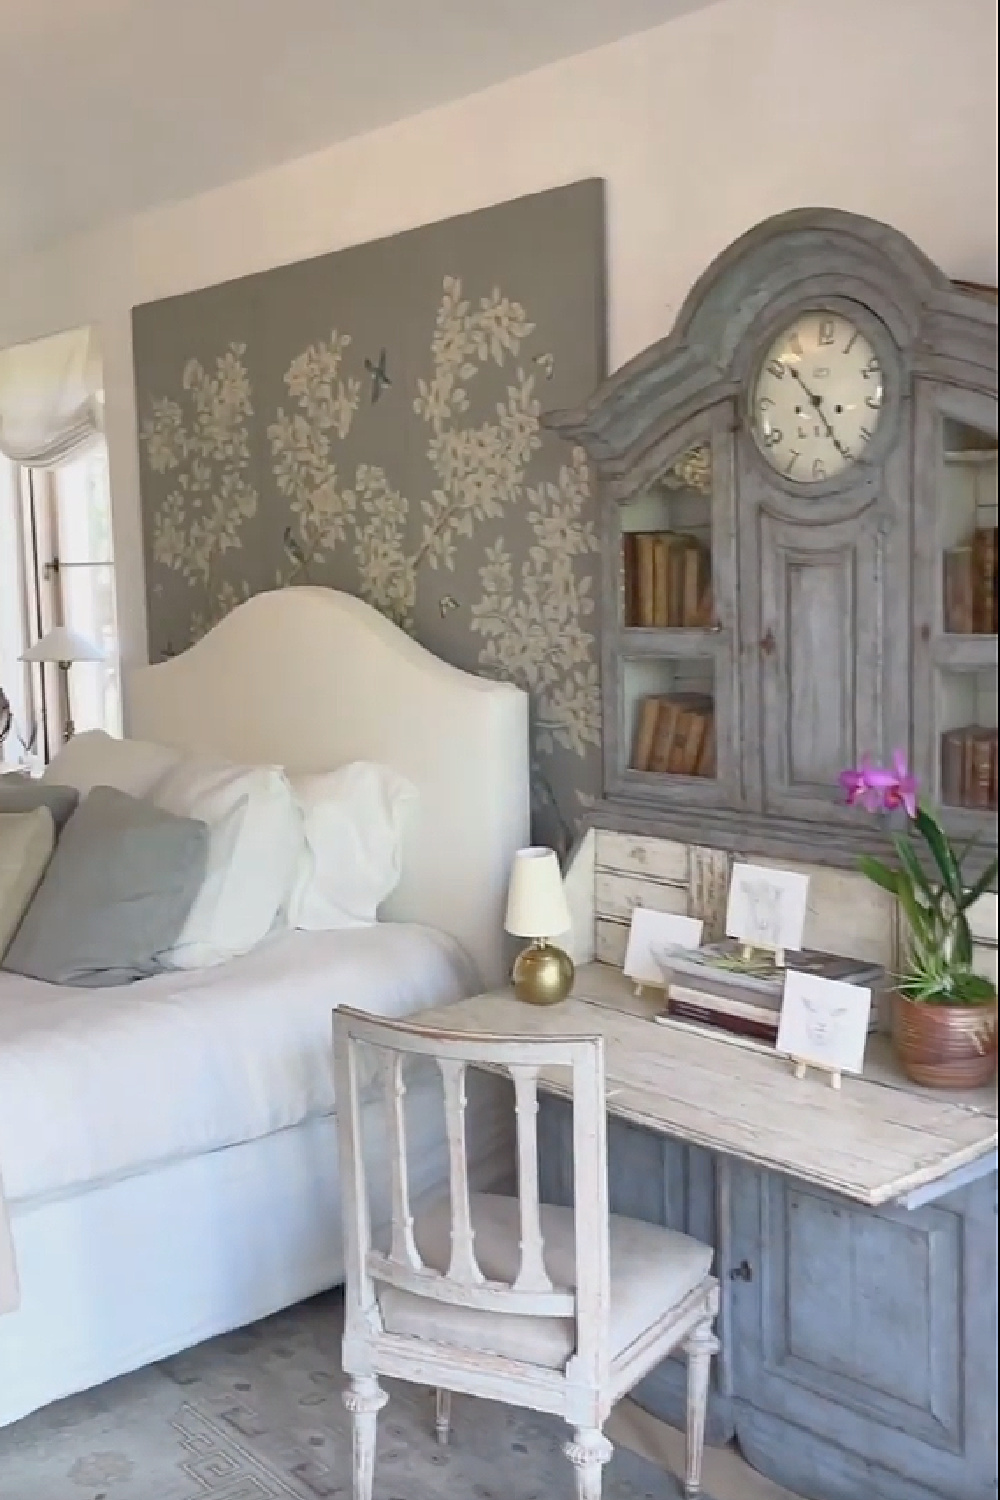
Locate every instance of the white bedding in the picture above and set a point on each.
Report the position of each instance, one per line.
(99, 1083)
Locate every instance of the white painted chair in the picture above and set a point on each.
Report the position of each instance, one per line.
(506, 1298)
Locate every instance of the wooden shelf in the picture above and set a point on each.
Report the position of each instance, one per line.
(971, 456)
(965, 653)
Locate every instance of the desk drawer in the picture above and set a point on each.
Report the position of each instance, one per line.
(659, 859)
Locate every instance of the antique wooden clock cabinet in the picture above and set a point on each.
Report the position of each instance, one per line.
(799, 489)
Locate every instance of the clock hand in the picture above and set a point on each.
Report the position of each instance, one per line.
(817, 405)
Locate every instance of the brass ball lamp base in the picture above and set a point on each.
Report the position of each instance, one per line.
(542, 974)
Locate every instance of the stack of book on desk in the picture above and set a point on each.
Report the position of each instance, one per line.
(715, 986)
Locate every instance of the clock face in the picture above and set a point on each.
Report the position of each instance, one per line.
(817, 399)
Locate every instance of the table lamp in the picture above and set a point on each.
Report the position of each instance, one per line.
(537, 908)
(63, 646)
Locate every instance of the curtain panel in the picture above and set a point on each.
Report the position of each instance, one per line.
(51, 399)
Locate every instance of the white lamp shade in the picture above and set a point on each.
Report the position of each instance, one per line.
(536, 901)
(62, 644)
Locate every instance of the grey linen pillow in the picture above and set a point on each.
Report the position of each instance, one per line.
(116, 893)
(23, 794)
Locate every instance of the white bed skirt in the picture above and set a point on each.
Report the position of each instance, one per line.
(128, 1272)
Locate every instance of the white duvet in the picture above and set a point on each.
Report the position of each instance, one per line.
(98, 1083)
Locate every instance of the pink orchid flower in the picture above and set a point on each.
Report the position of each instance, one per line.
(902, 791)
(858, 785)
(881, 788)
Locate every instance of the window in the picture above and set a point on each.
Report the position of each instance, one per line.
(57, 569)
(80, 501)
(14, 675)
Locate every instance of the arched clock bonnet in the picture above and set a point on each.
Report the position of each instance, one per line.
(799, 517)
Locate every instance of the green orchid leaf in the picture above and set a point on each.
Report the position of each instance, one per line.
(986, 879)
(921, 921)
(976, 989)
(912, 867)
(937, 842)
(878, 872)
(961, 952)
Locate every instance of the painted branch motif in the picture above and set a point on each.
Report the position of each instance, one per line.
(515, 530)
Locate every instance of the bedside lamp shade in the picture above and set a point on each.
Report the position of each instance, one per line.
(60, 644)
(537, 908)
(536, 901)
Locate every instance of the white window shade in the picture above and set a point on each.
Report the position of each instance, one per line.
(51, 398)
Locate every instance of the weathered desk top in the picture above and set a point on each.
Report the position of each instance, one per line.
(876, 1140)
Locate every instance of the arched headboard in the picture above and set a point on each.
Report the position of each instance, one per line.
(310, 678)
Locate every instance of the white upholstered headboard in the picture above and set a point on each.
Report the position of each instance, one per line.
(310, 679)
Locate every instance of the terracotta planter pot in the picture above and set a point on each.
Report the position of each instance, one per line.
(945, 1046)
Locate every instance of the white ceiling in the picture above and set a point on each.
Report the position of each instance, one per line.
(108, 107)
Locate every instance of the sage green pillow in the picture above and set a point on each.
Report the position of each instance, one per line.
(115, 896)
(26, 843)
(24, 793)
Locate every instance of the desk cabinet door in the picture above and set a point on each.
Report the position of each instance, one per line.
(865, 1342)
(659, 1181)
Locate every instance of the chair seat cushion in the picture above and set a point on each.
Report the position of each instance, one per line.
(652, 1270)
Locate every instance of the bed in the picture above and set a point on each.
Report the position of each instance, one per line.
(168, 1148)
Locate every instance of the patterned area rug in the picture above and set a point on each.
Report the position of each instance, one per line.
(257, 1415)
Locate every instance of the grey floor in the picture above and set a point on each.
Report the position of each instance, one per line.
(256, 1415)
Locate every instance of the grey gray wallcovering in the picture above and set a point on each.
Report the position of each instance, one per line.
(369, 420)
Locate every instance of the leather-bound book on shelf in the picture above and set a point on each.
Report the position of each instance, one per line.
(706, 604)
(661, 579)
(629, 577)
(667, 746)
(953, 767)
(978, 782)
(984, 582)
(663, 742)
(676, 563)
(678, 748)
(960, 572)
(645, 577)
(695, 571)
(692, 743)
(645, 735)
(706, 760)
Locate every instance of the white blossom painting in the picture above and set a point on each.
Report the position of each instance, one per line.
(371, 420)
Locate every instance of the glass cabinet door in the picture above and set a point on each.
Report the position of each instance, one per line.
(956, 642)
(670, 658)
(666, 548)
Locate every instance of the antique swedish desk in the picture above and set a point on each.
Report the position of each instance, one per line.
(855, 1237)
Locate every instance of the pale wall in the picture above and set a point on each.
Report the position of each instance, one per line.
(701, 128)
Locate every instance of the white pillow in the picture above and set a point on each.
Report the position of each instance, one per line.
(94, 758)
(254, 843)
(354, 821)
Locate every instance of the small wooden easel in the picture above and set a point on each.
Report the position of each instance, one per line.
(799, 1067)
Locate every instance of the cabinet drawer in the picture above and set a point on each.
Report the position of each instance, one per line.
(660, 858)
(610, 942)
(618, 895)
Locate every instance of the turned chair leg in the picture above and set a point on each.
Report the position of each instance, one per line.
(442, 1420)
(364, 1401)
(699, 1348)
(588, 1452)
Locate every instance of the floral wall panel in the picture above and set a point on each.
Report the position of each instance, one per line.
(370, 420)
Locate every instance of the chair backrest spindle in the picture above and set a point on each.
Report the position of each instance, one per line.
(532, 1276)
(403, 1249)
(530, 1291)
(463, 1267)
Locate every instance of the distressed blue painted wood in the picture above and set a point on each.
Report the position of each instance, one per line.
(661, 1182)
(865, 1345)
(860, 1358)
